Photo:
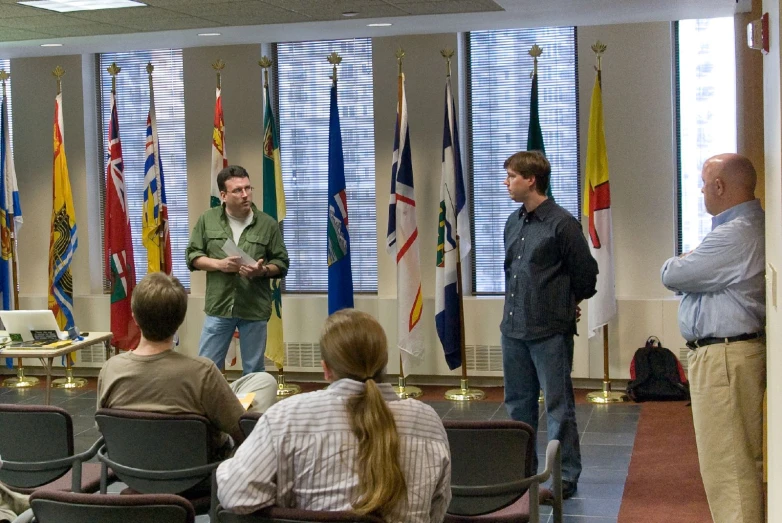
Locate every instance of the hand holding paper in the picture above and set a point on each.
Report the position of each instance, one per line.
(231, 249)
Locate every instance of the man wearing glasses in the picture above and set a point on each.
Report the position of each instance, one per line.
(238, 294)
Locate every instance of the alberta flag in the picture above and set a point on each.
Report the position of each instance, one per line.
(120, 270)
(453, 221)
(340, 272)
(402, 241)
(155, 232)
(597, 206)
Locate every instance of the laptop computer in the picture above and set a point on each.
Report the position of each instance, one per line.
(23, 323)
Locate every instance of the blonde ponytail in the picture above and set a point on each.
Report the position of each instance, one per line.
(353, 345)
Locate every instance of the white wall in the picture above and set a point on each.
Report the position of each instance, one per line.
(637, 91)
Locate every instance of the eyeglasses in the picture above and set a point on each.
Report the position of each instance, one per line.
(240, 190)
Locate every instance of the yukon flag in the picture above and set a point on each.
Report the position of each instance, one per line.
(597, 206)
(453, 220)
(274, 206)
(402, 241)
(120, 270)
(219, 159)
(155, 231)
(63, 240)
(10, 213)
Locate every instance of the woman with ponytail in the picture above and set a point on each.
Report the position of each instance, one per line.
(353, 446)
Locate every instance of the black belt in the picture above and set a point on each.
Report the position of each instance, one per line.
(730, 339)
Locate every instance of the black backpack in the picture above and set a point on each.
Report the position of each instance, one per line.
(656, 374)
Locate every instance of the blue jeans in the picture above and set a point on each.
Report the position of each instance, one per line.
(532, 365)
(216, 337)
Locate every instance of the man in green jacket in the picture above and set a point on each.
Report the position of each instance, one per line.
(238, 294)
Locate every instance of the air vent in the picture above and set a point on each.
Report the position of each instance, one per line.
(683, 355)
(484, 357)
(303, 355)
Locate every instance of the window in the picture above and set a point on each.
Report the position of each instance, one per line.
(132, 109)
(304, 84)
(706, 114)
(5, 65)
(498, 90)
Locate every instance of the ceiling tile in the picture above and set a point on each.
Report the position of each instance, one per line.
(10, 34)
(167, 24)
(131, 13)
(12, 10)
(453, 6)
(247, 13)
(39, 23)
(87, 29)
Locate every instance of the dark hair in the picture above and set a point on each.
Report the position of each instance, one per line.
(159, 305)
(528, 164)
(232, 171)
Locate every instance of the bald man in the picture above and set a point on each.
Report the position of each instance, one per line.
(723, 316)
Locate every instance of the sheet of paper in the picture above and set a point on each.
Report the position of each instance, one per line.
(231, 249)
(246, 399)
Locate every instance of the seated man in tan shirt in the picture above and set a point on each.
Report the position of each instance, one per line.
(155, 378)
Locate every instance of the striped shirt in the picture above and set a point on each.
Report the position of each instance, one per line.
(548, 270)
(302, 453)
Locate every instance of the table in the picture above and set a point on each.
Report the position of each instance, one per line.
(46, 356)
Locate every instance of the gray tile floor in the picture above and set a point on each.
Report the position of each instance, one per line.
(607, 437)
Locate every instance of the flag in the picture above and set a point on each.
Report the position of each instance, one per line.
(118, 247)
(597, 206)
(219, 159)
(10, 214)
(453, 220)
(154, 225)
(274, 206)
(340, 272)
(535, 133)
(402, 241)
(63, 240)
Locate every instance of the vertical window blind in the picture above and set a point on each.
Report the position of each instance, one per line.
(132, 109)
(304, 84)
(5, 65)
(498, 89)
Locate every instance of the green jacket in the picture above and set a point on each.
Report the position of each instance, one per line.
(229, 294)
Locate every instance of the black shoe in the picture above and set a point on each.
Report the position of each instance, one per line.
(568, 489)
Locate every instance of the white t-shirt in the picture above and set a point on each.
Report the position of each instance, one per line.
(238, 225)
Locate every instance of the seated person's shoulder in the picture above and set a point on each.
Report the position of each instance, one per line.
(416, 417)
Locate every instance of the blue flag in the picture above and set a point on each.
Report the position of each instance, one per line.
(340, 272)
(10, 214)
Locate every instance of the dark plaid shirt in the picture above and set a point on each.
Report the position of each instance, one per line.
(548, 270)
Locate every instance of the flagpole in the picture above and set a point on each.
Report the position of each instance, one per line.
(606, 395)
(21, 380)
(464, 392)
(403, 390)
(283, 389)
(161, 231)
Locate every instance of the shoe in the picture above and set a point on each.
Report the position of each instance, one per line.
(568, 489)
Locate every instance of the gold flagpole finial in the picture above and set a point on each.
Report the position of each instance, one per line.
(4, 75)
(447, 54)
(599, 48)
(334, 59)
(265, 62)
(400, 54)
(150, 68)
(113, 70)
(58, 73)
(535, 52)
(218, 66)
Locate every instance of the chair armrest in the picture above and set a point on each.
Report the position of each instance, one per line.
(81, 458)
(25, 517)
(201, 470)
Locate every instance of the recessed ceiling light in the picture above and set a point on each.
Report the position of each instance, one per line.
(349, 13)
(68, 6)
(209, 34)
(51, 45)
(380, 25)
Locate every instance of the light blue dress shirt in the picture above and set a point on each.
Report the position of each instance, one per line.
(723, 279)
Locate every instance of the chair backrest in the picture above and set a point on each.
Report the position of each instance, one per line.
(248, 420)
(66, 507)
(152, 441)
(488, 453)
(293, 515)
(34, 433)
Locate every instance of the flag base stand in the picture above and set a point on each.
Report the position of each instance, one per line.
(464, 393)
(404, 391)
(606, 395)
(541, 399)
(21, 381)
(69, 382)
(285, 389)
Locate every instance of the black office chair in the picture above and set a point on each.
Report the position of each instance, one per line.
(66, 507)
(160, 453)
(292, 515)
(492, 479)
(248, 420)
(36, 443)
